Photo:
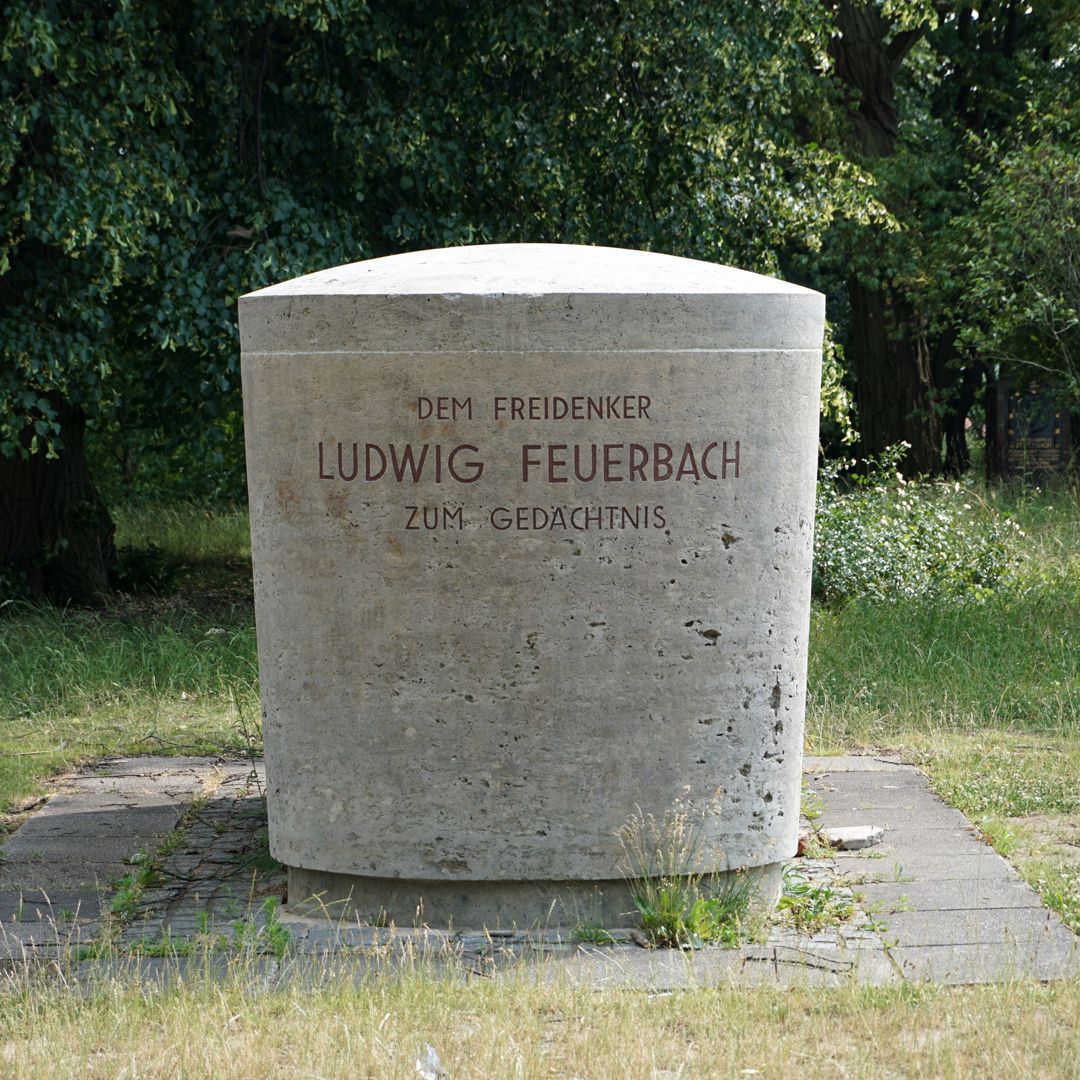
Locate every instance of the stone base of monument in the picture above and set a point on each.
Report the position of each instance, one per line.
(491, 905)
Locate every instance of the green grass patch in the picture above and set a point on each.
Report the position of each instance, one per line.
(182, 547)
(811, 908)
(79, 684)
(1058, 883)
(147, 674)
(186, 532)
(880, 673)
(1006, 774)
(682, 905)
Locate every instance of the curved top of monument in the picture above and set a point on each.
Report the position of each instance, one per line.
(529, 269)
(530, 297)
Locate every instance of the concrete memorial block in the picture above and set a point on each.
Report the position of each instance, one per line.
(531, 531)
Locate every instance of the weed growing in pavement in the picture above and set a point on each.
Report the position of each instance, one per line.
(810, 908)
(130, 888)
(249, 934)
(680, 903)
(813, 845)
(591, 934)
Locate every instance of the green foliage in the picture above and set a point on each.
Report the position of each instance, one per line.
(934, 101)
(589, 933)
(884, 538)
(811, 908)
(681, 904)
(676, 916)
(254, 934)
(1001, 777)
(130, 888)
(157, 163)
(1058, 883)
(1022, 258)
(142, 570)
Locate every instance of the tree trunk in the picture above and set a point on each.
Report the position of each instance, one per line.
(54, 529)
(890, 354)
(894, 380)
(957, 456)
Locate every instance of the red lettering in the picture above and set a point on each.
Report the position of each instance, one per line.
(368, 474)
(705, 460)
(476, 468)
(528, 462)
(341, 462)
(661, 461)
(408, 461)
(611, 461)
(687, 464)
(555, 463)
(578, 472)
(725, 461)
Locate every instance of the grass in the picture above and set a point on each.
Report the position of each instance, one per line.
(1010, 664)
(680, 904)
(984, 695)
(225, 1027)
(158, 674)
(210, 547)
(880, 673)
(811, 908)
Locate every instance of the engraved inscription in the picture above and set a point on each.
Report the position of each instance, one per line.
(538, 464)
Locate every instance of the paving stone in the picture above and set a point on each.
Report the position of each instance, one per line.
(76, 814)
(904, 839)
(815, 766)
(896, 819)
(35, 873)
(853, 837)
(982, 865)
(1021, 928)
(55, 848)
(47, 932)
(960, 964)
(971, 917)
(33, 904)
(951, 895)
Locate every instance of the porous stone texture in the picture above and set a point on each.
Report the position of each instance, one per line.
(531, 532)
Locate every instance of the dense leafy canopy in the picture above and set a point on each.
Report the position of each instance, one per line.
(915, 159)
(158, 162)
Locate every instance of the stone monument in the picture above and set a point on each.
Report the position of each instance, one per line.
(532, 533)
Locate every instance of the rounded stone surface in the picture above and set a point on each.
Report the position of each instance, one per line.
(530, 269)
(546, 297)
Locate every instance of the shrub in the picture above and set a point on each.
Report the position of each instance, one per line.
(881, 537)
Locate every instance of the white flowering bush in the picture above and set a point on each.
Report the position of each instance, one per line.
(884, 538)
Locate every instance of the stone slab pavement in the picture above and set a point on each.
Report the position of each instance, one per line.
(933, 901)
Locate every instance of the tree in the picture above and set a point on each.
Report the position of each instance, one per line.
(925, 86)
(157, 162)
(1021, 298)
